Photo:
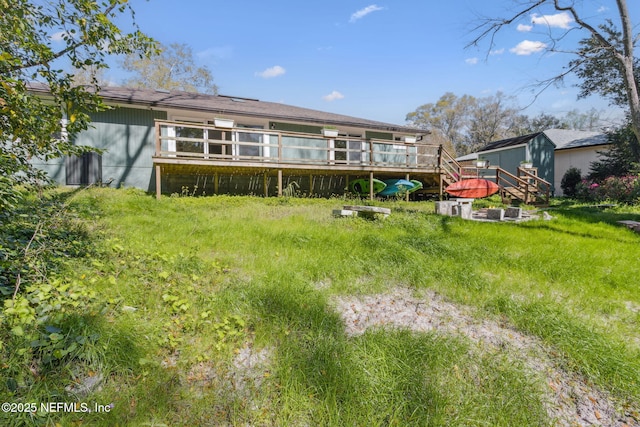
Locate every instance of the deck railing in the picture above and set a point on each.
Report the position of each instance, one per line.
(251, 146)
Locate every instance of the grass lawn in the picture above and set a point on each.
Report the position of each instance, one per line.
(222, 311)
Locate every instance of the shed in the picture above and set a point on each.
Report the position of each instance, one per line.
(508, 154)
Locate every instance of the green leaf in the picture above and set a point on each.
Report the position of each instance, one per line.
(55, 337)
(17, 331)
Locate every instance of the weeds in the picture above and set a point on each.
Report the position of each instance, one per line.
(174, 296)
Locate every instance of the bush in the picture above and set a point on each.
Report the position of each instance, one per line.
(624, 189)
(572, 177)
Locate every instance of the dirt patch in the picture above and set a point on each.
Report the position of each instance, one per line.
(569, 400)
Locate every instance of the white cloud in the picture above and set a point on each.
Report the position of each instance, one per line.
(603, 9)
(364, 12)
(60, 36)
(272, 72)
(527, 47)
(496, 52)
(219, 52)
(559, 20)
(471, 61)
(524, 28)
(333, 96)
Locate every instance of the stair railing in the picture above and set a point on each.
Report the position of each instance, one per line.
(540, 185)
(506, 181)
(449, 166)
(527, 189)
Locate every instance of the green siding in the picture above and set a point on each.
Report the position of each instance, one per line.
(378, 135)
(541, 151)
(541, 154)
(127, 136)
(295, 127)
(508, 159)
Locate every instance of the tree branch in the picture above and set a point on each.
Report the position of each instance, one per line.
(492, 26)
(61, 53)
(594, 32)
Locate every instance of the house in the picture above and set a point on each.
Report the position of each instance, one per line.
(167, 142)
(551, 153)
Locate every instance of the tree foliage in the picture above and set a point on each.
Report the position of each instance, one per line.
(465, 123)
(173, 69)
(447, 118)
(37, 40)
(544, 121)
(495, 117)
(621, 159)
(468, 122)
(600, 73)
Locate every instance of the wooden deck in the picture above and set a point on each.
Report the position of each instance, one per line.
(189, 148)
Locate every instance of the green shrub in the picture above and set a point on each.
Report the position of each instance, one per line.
(623, 189)
(572, 177)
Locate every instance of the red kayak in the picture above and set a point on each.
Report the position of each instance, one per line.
(472, 188)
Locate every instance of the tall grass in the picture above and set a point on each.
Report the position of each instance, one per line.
(197, 281)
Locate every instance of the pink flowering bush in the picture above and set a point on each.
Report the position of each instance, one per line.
(623, 189)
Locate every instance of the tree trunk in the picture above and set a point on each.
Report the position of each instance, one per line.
(632, 94)
(626, 61)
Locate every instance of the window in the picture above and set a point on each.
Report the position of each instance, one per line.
(84, 170)
(215, 144)
(191, 140)
(250, 143)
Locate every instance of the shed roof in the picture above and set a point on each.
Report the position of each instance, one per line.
(509, 142)
(224, 104)
(562, 138)
(466, 157)
(566, 139)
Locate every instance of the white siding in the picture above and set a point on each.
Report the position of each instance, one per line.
(580, 158)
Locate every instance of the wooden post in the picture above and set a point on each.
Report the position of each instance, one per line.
(158, 182)
(407, 195)
(215, 183)
(158, 143)
(346, 180)
(310, 185)
(440, 173)
(279, 182)
(265, 183)
(371, 185)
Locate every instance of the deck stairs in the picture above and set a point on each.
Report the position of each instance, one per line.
(524, 187)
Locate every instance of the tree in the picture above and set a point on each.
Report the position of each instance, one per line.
(576, 120)
(35, 39)
(89, 76)
(599, 71)
(543, 121)
(621, 159)
(493, 118)
(447, 119)
(605, 56)
(468, 123)
(173, 69)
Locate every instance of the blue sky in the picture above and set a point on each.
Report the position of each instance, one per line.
(377, 60)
